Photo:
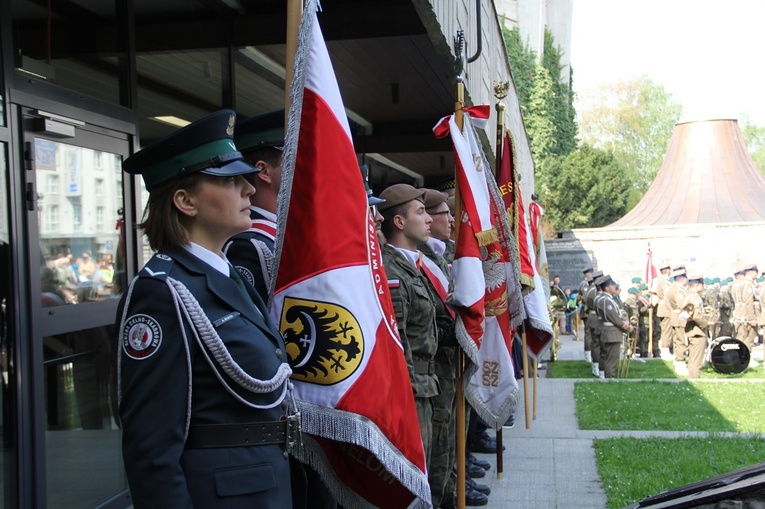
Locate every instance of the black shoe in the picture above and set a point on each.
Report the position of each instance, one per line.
(509, 423)
(477, 461)
(474, 471)
(470, 484)
(485, 444)
(474, 498)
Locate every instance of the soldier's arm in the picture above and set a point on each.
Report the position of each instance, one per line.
(400, 299)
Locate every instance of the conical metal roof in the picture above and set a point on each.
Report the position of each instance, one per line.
(707, 177)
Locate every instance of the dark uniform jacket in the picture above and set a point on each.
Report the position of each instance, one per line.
(413, 303)
(252, 253)
(169, 381)
(611, 317)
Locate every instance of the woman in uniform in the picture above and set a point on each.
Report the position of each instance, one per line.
(202, 372)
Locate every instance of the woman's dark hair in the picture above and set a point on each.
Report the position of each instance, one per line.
(164, 225)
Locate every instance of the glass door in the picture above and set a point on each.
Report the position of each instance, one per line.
(75, 201)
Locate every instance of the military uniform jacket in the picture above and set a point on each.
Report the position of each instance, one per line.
(446, 355)
(747, 301)
(583, 287)
(673, 299)
(697, 318)
(171, 377)
(252, 253)
(611, 317)
(413, 303)
(589, 299)
(662, 285)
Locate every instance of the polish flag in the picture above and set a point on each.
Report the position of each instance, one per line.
(332, 304)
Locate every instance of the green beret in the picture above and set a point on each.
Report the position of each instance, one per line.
(204, 146)
(632, 290)
(261, 131)
(644, 287)
(636, 280)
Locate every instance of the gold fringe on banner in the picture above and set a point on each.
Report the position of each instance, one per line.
(486, 237)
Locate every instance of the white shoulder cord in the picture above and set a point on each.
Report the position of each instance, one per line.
(266, 260)
(205, 333)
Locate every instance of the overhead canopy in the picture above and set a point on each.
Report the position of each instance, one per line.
(707, 177)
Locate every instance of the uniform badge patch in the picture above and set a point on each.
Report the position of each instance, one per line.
(394, 283)
(246, 274)
(163, 257)
(141, 337)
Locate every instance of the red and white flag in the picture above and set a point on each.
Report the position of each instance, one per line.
(332, 305)
(539, 332)
(650, 270)
(485, 276)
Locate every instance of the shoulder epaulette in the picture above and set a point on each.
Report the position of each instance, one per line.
(157, 267)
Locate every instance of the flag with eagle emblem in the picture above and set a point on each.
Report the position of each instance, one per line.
(332, 304)
(485, 275)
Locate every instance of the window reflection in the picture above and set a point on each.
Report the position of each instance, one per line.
(80, 223)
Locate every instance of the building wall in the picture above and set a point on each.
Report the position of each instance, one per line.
(713, 250)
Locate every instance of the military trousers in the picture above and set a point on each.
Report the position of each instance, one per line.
(424, 408)
(587, 334)
(594, 340)
(443, 454)
(666, 333)
(746, 334)
(679, 344)
(609, 358)
(697, 346)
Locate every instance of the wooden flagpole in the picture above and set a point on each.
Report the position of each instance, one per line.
(526, 377)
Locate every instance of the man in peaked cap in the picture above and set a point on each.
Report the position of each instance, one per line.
(582, 290)
(614, 324)
(675, 297)
(260, 139)
(696, 321)
(593, 324)
(660, 286)
(406, 225)
(747, 307)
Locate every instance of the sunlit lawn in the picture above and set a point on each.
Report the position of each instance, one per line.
(632, 469)
(682, 406)
(650, 369)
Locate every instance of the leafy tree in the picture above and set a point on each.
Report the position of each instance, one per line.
(539, 119)
(587, 188)
(562, 105)
(754, 137)
(634, 119)
(522, 63)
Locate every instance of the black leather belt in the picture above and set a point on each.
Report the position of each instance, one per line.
(248, 434)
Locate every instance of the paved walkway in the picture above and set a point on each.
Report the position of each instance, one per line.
(552, 465)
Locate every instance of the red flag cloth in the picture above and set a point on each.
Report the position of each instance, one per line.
(650, 270)
(484, 272)
(333, 308)
(507, 179)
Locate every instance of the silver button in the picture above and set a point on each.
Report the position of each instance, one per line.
(279, 353)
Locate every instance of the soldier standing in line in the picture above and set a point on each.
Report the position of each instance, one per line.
(674, 299)
(695, 319)
(406, 225)
(725, 326)
(592, 322)
(654, 333)
(661, 285)
(583, 287)
(598, 329)
(614, 325)
(747, 310)
(760, 293)
(633, 314)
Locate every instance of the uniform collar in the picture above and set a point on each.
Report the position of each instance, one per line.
(216, 261)
(411, 256)
(438, 246)
(264, 213)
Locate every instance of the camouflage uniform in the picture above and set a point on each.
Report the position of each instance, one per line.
(413, 303)
(725, 327)
(443, 454)
(695, 331)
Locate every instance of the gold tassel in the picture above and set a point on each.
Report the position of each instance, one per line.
(486, 237)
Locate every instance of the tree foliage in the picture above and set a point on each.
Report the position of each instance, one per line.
(754, 137)
(634, 119)
(587, 188)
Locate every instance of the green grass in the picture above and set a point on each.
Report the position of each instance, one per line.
(652, 369)
(683, 406)
(632, 469)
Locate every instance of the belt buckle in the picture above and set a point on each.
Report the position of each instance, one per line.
(294, 435)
